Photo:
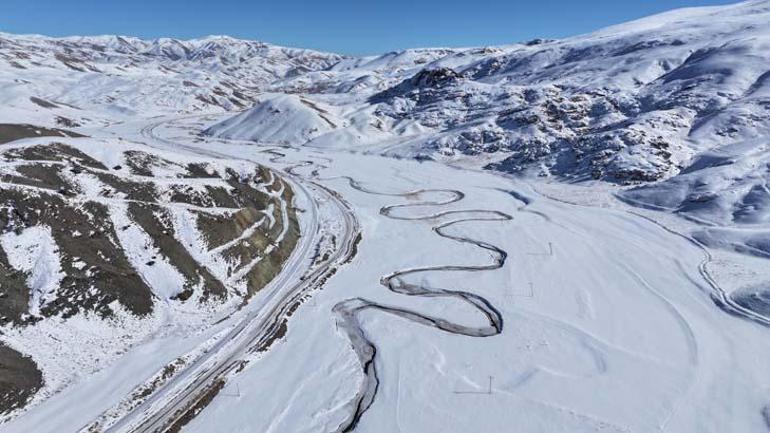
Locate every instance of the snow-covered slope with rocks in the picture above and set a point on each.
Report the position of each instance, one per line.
(629, 103)
(633, 102)
(129, 243)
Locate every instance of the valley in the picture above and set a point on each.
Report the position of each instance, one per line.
(226, 235)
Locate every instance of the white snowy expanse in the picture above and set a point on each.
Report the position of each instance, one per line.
(548, 236)
(608, 323)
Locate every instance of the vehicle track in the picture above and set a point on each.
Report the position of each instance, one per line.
(719, 296)
(259, 328)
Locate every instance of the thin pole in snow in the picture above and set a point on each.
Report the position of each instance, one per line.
(488, 391)
(523, 292)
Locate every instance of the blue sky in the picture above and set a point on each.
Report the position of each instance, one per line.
(345, 26)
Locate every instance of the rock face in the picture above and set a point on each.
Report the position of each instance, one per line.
(423, 83)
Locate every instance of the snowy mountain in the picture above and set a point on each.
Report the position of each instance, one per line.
(633, 102)
(629, 103)
(171, 209)
(59, 80)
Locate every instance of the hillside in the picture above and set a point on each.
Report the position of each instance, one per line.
(127, 242)
(631, 103)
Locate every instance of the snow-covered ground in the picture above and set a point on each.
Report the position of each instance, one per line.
(549, 236)
(608, 323)
(100, 279)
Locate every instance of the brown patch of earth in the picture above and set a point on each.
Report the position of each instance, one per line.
(157, 223)
(20, 379)
(11, 132)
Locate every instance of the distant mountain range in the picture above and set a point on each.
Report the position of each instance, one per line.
(636, 102)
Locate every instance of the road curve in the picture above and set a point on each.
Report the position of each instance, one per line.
(347, 311)
(260, 327)
(719, 296)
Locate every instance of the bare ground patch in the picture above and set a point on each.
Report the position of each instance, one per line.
(11, 132)
(20, 379)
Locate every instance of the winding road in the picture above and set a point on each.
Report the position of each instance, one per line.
(174, 401)
(168, 406)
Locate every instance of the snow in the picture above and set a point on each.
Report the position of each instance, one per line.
(633, 102)
(115, 78)
(277, 119)
(725, 186)
(615, 332)
(70, 350)
(165, 280)
(609, 292)
(33, 251)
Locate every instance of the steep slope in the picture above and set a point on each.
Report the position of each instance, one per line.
(127, 242)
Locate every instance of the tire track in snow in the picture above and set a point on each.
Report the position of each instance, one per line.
(719, 296)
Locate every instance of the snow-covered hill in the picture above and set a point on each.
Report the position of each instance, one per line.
(633, 102)
(629, 103)
(80, 80)
(126, 242)
(277, 118)
(143, 237)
